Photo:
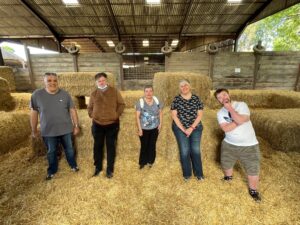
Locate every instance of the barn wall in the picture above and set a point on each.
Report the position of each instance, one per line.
(63, 62)
(275, 70)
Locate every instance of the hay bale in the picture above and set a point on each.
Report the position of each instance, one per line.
(166, 85)
(14, 129)
(81, 83)
(277, 99)
(131, 97)
(6, 101)
(21, 101)
(7, 74)
(280, 127)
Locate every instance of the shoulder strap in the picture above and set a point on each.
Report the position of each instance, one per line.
(156, 100)
(142, 103)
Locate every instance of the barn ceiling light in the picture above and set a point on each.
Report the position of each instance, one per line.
(146, 43)
(153, 2)
(110, 43)
(146, 58)
(174, 43)
(71, 2)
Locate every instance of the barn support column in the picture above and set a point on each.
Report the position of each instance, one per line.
(29, 66)
(297, 80)
(1, 58)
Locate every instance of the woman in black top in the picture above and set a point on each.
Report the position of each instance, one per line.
(187, 111)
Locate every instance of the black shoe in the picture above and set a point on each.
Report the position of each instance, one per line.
(227, 178)
(255, 195)
(75, 169)
(49, 176)
(150, 165)
(97, 172)
(142, 166)
(109, 175)
(200, 178)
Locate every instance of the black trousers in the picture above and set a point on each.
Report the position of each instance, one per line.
(148, 146)
(109, 133)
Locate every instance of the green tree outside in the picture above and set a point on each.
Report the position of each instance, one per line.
(279, 32)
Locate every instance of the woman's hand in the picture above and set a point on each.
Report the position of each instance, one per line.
(189, 131)
(140, 133)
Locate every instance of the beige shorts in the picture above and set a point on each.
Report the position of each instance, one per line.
(249, 157)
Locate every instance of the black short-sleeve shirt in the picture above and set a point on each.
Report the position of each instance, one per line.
(187, 110)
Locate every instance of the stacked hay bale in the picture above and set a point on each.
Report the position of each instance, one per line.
(166, 85)
(6, 101)
(14, 129)
(131, 97)
(81, 83)
(7, 74)
(280, 127)
(278, 99)
(21, 101)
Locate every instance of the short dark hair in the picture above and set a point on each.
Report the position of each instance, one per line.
(218, 91)
(50, 74)
(148, 86)
(102, 74)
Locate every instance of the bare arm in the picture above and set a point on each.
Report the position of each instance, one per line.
(238, 118)
(75, 121)
(195, 123)
(138, 123)
(34, 122)
(176, 120)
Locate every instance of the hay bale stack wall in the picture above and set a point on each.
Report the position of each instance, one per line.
(21, 101)
(277, 99)
(131, 97)
(81, 83)
(7, 73)
(6, 101)
(166, 85)
(14, 129)
(281, 128)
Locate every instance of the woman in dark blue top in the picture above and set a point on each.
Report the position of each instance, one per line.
(187, 111)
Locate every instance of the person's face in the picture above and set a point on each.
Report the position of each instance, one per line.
(51, 83)
(185, 88)
(148, 93)
(101, 82)
(223, 97)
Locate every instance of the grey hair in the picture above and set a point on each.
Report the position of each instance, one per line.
(184, 81)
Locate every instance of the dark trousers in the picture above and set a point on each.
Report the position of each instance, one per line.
(109, 133)
(148, 146)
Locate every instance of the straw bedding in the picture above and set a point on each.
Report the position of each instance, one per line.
(281, 128)
(149, 196)
(81, 83)
(14, 129)
(166, 85)
(7, 74)
(278, 99)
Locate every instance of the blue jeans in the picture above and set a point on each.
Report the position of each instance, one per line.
(52, 143)
(189, 148)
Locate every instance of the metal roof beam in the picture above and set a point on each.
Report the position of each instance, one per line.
(188, 10)
(43, 21)
(113, 18)
(97, 44)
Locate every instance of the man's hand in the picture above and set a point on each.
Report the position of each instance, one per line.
(76, 131)
(228, 106)
(35, 133)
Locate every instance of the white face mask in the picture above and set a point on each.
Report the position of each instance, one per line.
(102, 87)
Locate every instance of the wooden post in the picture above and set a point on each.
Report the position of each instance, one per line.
(121, 82)
(27, 53)
(256, 69)
(75, 62)
(1, 58)
(211, 66)
(297, 80)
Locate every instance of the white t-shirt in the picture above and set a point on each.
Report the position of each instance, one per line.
(242, 135)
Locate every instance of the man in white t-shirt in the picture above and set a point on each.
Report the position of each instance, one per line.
(240, 142)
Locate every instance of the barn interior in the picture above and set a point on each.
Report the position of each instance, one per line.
(137, 43)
